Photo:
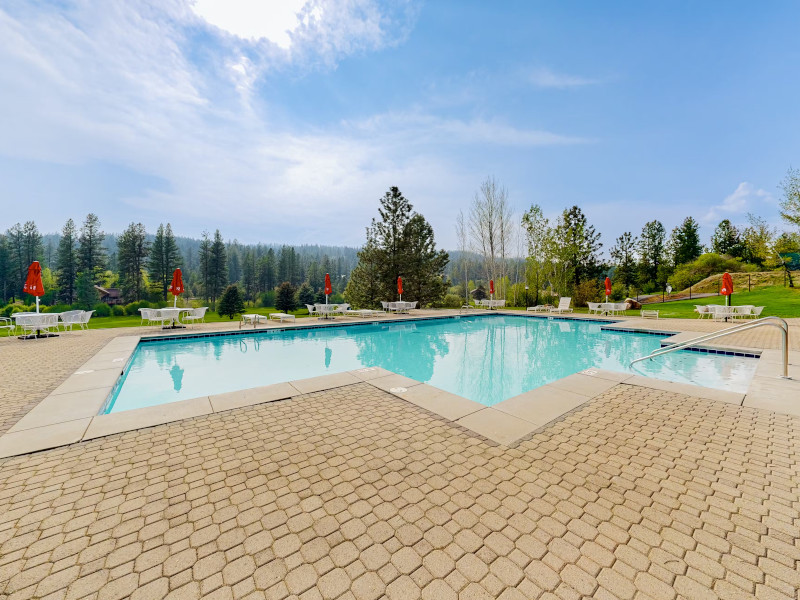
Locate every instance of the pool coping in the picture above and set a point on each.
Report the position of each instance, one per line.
(69, 414)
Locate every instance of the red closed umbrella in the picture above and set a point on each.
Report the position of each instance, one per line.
(328, 287)
(727, 286)
(491, 287)
(33, 282)
(400, 287)
(176, 287)
(608, 288)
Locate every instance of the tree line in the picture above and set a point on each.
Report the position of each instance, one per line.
(141, 264)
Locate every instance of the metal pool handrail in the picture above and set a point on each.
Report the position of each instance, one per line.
(773, 321)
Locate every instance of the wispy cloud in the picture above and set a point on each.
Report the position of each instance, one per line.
(746, 198)
(547, 78)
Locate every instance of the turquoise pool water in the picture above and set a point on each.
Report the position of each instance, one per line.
(486, 358)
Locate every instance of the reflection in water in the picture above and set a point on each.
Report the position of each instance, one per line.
(177, 377)
(484, 358)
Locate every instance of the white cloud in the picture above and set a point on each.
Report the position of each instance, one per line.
(253, 19)
(546, 78)
(744, 199)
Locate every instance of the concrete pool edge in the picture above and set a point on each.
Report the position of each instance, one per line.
(69, 414)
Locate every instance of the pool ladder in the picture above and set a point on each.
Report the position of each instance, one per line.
(773, 321)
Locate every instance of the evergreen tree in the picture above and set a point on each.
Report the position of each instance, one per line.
(218, 267)
(5, 271)
(726, 239)
(624, 255)
(234, 264)
(423, 265)
(685, 243)
(86, 294)
(67, 263)
(24, 247)
(580, 244)
(285, 299)
(204, 256)
(249, 275)
(91, 252)
(231, 303)
(266, 271)
(133, 249)
(652, 247)
(164, 259)
(305, 295)
(33, 244)
(365, 288)
(400, 244)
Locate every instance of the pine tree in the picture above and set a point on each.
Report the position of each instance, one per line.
(5, 271)
(580, 244)
(365, 288)
(231, 303)
(218, 267)
(423, 265)
(249, 272)
(91, 253)
(164, 259)
(266, 271)
(67, 263)
(623, 254)
(652, 247)
(285, 299)
(685, 243)
(305, 295)
(204, 256)
(24, 247)
(133, 249)
(86, 294)
(726, 239)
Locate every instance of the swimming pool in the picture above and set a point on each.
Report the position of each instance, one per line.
(486, 358)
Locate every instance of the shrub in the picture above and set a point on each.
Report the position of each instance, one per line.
(231, 303)
(117, 310)
(285, 298)
(305, 295)
(586, 291)
(57, 308)
(452, 301)
(132, 309)
(706, 265)
(267, 299)
(102, 310)
(618, 292)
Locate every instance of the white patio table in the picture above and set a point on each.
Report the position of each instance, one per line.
(174, 314)
(325, 310)
(37, 322)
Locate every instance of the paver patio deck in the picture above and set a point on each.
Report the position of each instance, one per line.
(356, 493)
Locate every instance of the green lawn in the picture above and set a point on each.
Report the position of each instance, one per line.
(778, 301)
(211, 317)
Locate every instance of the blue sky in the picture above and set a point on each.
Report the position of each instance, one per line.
(287, 121)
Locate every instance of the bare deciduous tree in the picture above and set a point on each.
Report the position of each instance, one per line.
(490, 229)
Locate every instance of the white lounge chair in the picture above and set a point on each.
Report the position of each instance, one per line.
(563, 305)
(197, 314)
(281, 317)
(539, 308)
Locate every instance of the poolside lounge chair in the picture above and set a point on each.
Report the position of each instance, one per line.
(198, 314)
(563, 305)
(539, 308)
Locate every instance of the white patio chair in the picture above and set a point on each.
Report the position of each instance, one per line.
(743, 312)
(70, 318)
(594, 308)
(702, 311)
(197, 314)
(618, 308)
(563, 305)
(7, 324)
(156, 316)
(84, 320)
(755, 313)
(385, 306)
(342, 309)
(312, 310)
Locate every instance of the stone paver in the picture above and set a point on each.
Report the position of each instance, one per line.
(355, 493)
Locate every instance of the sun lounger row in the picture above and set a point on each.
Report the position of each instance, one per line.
(563, 306)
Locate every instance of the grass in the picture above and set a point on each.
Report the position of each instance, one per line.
(778, 301)
(211, 317)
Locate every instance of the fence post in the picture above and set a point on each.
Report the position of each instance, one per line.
(748, 282)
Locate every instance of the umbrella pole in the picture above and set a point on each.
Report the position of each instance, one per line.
(175, 304)
(37, 304)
